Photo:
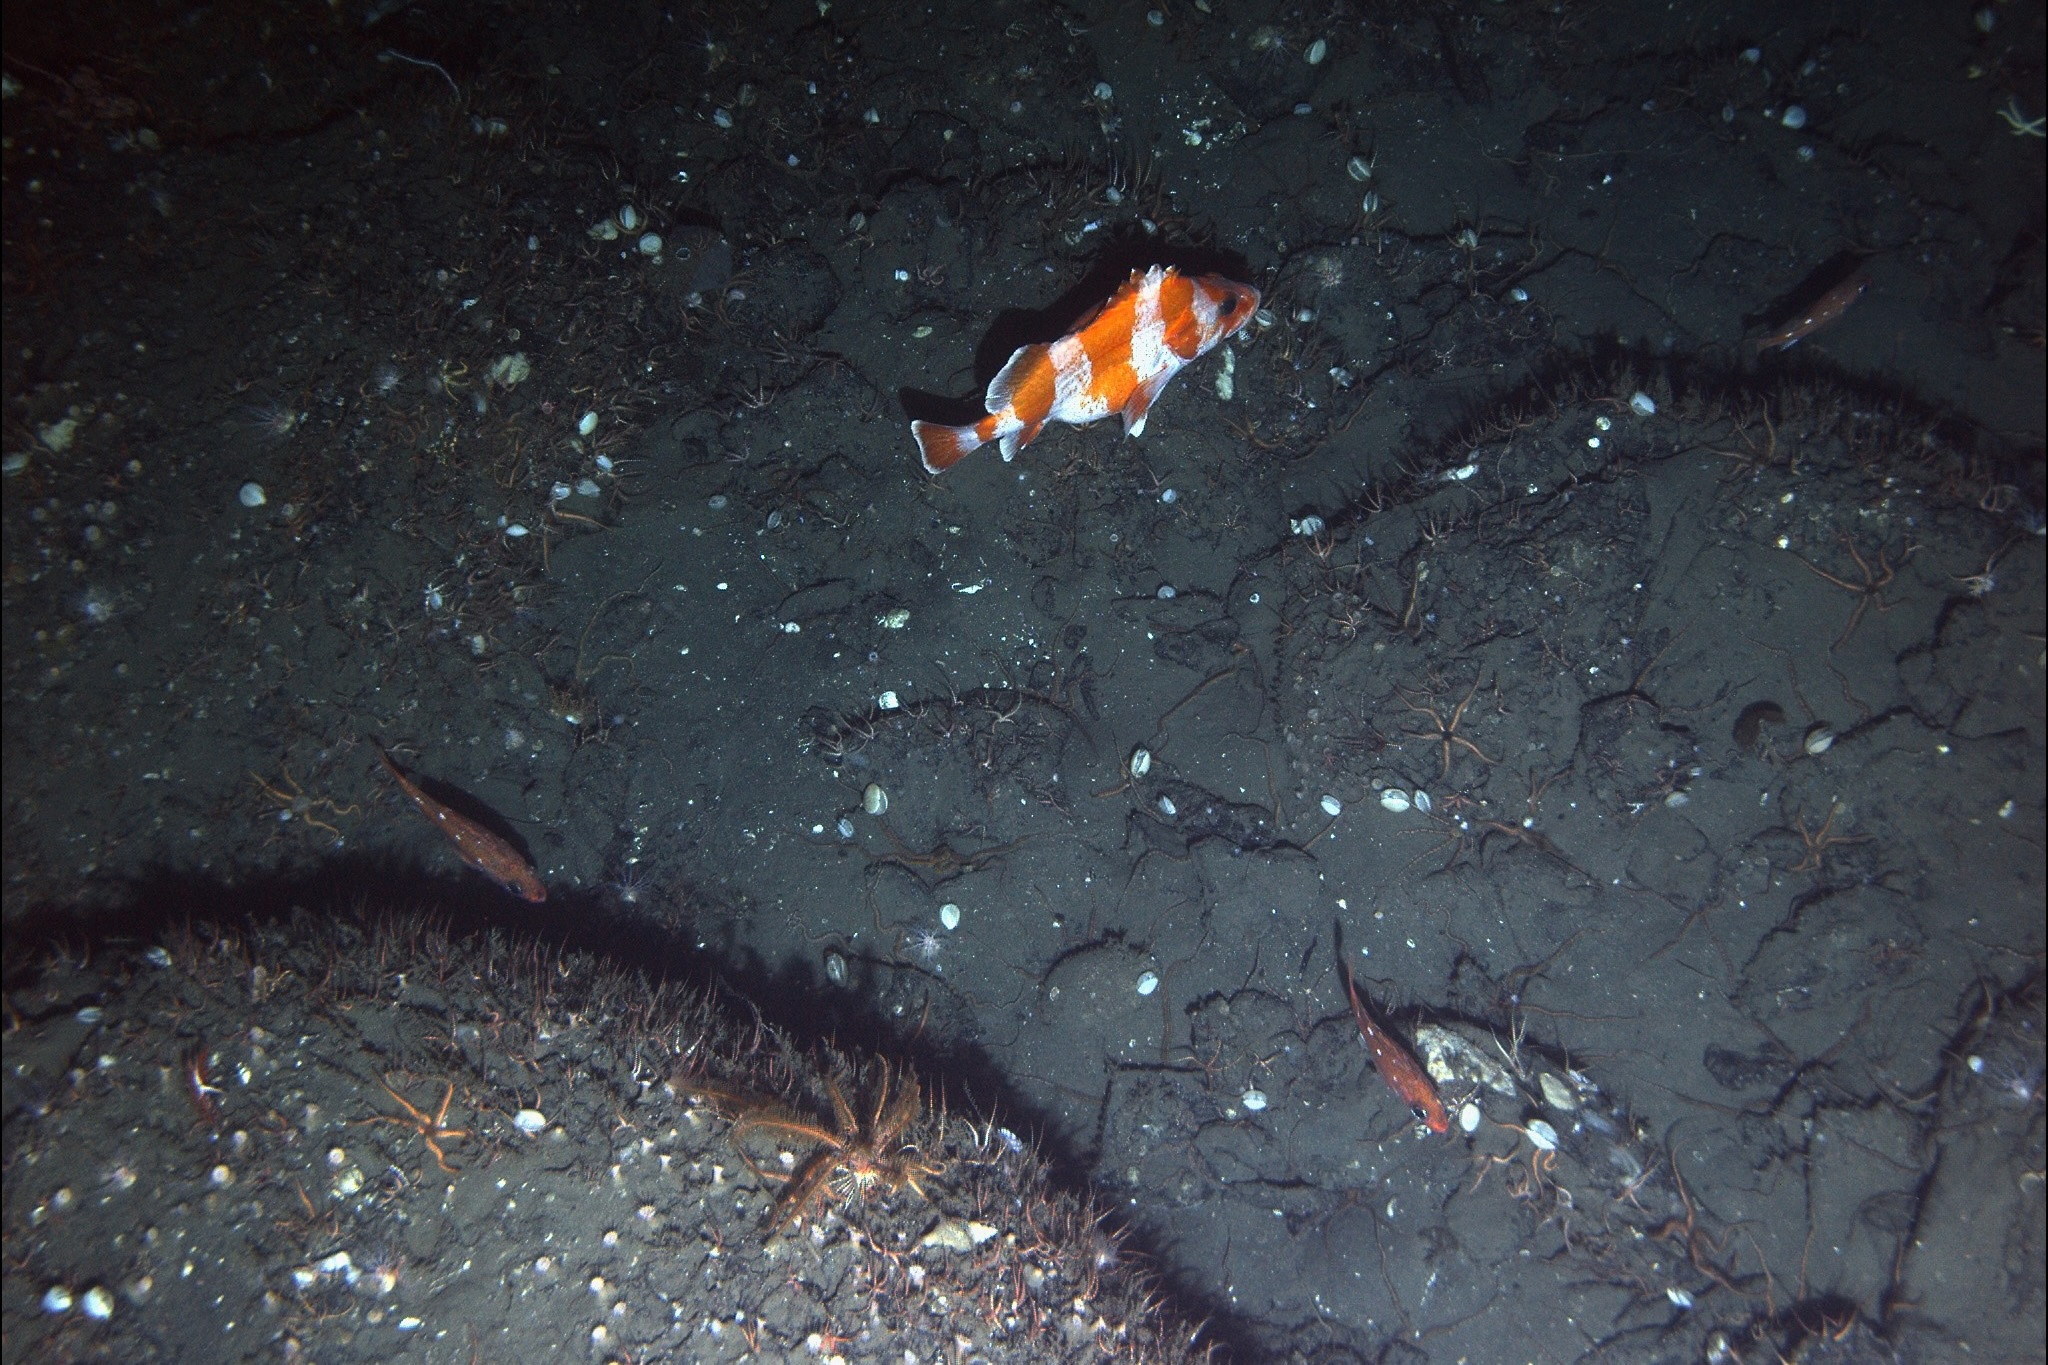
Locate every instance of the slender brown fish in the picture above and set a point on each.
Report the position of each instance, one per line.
(488, 853)
(1824, 310)
(1397, 1066)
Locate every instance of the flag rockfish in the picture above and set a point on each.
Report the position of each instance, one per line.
(1117, 360)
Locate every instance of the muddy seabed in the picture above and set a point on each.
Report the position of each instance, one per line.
(948, 877)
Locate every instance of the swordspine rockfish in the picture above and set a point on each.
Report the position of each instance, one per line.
(1117, 360)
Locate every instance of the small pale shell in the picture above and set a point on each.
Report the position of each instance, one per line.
(1254, 1100)
(1556, 1093)
(896, 618)
(1310, 525)
(629, 217)
(1794, 117)
(874, 800)
(888, 701)
(1642, 405)
(1167, 808)
(1359, 169)
(835, 967)
(1317, 50)
(1332, 807)
(949, 915)
(530, 1121)
(97, 1303)
(1423, 803)
(1141, 762)
(1396, 800)
(1819, 739)
(1468, 1117)
(1148, 982)
(1542, 1136)
(251, 495)
(650, 244)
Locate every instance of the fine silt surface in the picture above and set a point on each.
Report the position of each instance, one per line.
(951, 881)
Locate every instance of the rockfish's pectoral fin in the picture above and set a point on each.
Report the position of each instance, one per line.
(1139, 405)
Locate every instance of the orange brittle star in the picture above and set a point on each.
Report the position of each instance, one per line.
(433, 1131)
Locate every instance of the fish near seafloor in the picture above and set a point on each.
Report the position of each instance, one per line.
(1824, 310)
(488, 853)
(1117, 360)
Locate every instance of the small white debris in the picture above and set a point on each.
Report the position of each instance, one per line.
(1254, 1100)
(1679, 1297)
(220, 1177)
(1794, 117)
(650, 244)
(888, 701)
(57, 1299)
(251, 495)
(1310, 525)
(1642, 405)
(1468, 1117)
(515, 530)
(1332, 807)
(1461, 473)
(530, 1121)
(949, 916)
(1148, 982)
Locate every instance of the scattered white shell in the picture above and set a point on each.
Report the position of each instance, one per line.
(97, 1303)
(1818, 741)
(1395, 800)
(1519, 294)
(1167, 808)
(835, 967)
(515, 530)
(1102, 91)
(586, 424)
(1468, 1117)
(1542, 1136)
(1148, 982)
(874, 800)
(1309, 525)
(1166, 592)
(1422, 802)
(1370, 204)
(1679, 1298)
(1642, 405)
(1317, 50)
(1359, 169)
(57, 1299)
(1141, 762)
(1556, 1093)
(530, 1121)
(251, 494)
(650, 244)
(896, 618)
(845, 827)
(559, 492)
(1253, 1099)
(949, 915)
(587, 488)
(888, 701)
(629, 217)
(1332, 807)
(1794, 117)
(1461, 473)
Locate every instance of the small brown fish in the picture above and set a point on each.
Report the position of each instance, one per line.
(488, 853)
(1820, 313)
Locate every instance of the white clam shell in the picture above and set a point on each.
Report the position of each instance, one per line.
(1394, 799)
(1332, 807)
(251, 494)
(949, 915)
(1148, 982)
(1141, 762)
(1253, 1099)
(530, 1121)
(875, 800)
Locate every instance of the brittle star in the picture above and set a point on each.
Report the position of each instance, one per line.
(2022, 126)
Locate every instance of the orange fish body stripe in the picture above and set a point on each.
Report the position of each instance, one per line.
(1116, 361)
(1826, 309)
(1398, 1068)
(486, 852)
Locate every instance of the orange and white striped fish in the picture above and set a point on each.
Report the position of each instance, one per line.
(1117, 360)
